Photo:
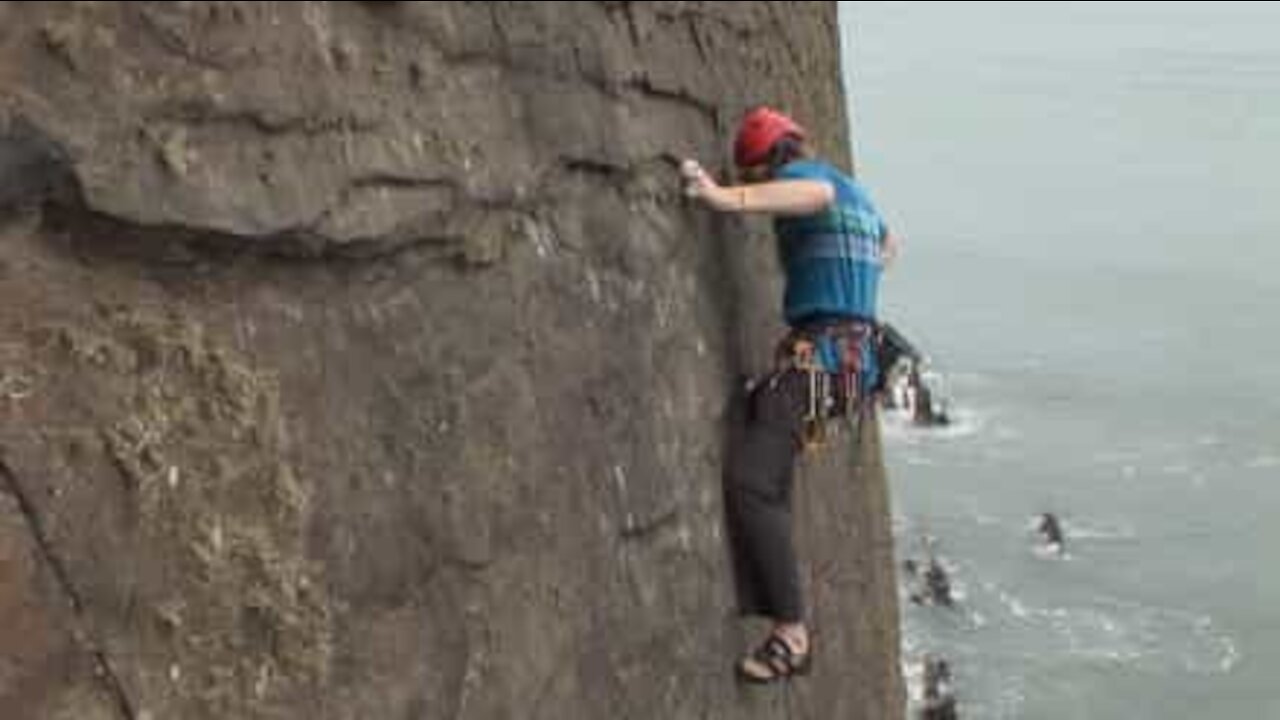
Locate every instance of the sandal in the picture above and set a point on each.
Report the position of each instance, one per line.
(776, 655)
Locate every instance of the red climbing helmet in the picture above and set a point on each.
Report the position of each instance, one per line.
(762, 127)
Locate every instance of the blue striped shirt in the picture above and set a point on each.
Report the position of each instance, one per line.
(832, 259)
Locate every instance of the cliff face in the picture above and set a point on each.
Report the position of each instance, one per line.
(361, 360)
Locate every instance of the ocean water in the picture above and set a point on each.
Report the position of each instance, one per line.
(1090, 198)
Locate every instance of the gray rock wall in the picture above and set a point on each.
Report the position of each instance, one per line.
(361, 360)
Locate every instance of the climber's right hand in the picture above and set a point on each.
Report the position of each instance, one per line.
(698, 184)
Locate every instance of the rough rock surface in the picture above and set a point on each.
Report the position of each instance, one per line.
(361, 360)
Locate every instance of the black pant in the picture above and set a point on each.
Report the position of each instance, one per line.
(758, 483)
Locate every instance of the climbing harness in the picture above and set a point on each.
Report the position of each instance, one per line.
(830, 355)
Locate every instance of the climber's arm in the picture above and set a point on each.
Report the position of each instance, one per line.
(776, 197)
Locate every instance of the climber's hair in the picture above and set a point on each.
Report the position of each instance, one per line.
(788, 149)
